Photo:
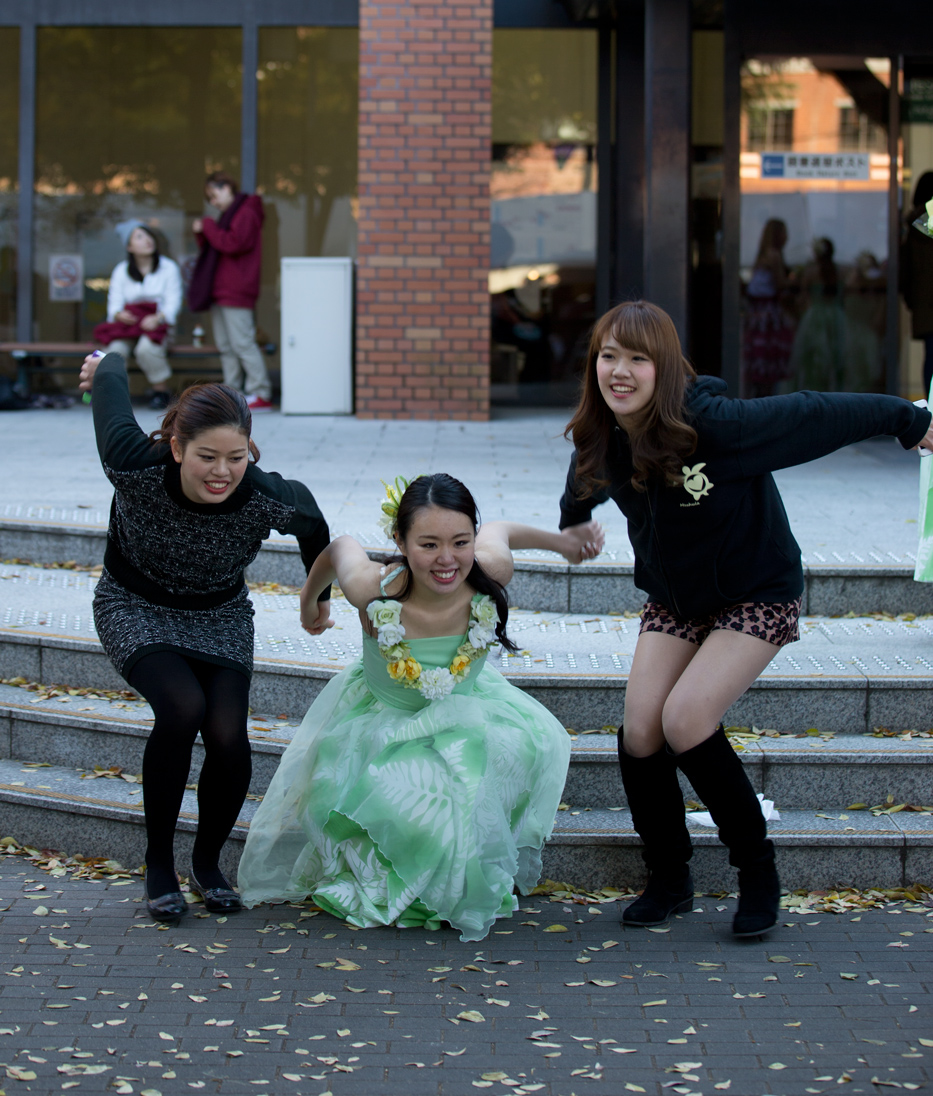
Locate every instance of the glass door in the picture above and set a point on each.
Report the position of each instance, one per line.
(814, 177)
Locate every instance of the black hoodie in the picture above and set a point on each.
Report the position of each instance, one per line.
(722, 537)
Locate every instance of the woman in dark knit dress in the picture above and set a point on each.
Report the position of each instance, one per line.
(691, 472)
(189, 514)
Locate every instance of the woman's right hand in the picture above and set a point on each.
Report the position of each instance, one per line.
(316, 618)
(124, 316)
(88, 369)
(582, 542)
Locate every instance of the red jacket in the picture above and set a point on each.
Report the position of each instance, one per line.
(236, 279)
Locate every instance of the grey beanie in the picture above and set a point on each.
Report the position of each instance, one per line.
(125, 229)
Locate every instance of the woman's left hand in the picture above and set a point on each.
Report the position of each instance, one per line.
(197, 225)
(151, 322)
(927, 442)
(88, 369)
(316, 619)
(583, 541)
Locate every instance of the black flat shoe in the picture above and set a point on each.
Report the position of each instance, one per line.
(217, 899)
(167, 907)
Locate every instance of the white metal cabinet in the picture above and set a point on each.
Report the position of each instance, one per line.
(317, 336)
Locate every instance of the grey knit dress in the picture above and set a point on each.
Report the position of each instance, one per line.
(173, 570)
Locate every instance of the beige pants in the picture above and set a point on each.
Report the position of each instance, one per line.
(151, 357)
(235, 336)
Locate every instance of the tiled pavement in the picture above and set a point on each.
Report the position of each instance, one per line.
(94, 996)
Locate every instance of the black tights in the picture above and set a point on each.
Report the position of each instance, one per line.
(188, 695)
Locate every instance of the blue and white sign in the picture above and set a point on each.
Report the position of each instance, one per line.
(815, 165)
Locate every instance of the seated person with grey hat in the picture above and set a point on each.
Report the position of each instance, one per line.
(142, 305)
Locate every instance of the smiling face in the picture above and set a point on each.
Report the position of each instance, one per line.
(439, 547)
(626, 379)
(212, 464)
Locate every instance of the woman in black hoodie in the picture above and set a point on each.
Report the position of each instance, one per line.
(691, 471)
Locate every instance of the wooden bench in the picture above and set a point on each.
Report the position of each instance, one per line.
(30, 358)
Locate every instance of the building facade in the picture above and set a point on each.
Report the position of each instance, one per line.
(501, 171)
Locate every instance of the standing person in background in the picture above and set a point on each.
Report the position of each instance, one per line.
(820, 357)
(768, 335)
(144, 279)
(917, 276)
(226, 280)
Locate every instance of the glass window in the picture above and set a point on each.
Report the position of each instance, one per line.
(771, 129)
(308, 121)
(9, 190)
(814, 224)
(128, 122)
(858, 133)
(543, 191)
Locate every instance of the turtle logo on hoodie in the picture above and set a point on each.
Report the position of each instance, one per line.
(696, 482)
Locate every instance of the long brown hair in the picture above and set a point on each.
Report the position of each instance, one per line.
(202, 407)
(660, 437)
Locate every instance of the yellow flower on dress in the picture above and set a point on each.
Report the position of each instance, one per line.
(459, 665)
(397, 669)
(405, 670)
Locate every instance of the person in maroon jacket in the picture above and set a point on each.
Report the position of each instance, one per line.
(226, 280)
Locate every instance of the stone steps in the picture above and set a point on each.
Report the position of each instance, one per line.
(845, 677)
(55, 807)
(873, 579)
(796, 771)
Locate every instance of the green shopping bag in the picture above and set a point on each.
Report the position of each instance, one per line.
(923, 572)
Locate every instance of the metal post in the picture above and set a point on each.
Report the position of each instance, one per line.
(248, 132)
(628, 175)
(892, 373)
(731, 207)
(27, 173)
(604, 172)
(667, 158)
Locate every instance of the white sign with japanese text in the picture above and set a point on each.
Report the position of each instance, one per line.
(815, 165)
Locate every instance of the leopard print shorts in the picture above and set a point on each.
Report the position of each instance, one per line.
(774, 622)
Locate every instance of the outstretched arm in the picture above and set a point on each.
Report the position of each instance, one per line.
(343, 561)
(121, 442)
(496, 541)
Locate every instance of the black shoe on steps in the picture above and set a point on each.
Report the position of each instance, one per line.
(217, 899)
(664, 896)
(167, 907)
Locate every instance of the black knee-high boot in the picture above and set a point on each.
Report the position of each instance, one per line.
(657, 807)
(720, 780)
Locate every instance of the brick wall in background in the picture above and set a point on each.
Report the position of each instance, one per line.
(422, 334)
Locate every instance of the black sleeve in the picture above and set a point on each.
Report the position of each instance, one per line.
(121, 442)
(575, 509)
(781, 431)
(307, 524)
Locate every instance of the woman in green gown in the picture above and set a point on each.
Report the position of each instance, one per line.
(421, 785)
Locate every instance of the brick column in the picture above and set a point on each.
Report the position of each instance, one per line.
(422, 335)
